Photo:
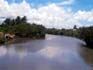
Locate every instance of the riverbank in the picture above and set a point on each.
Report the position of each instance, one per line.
(19, 27)
(19, 40)
(83, 33)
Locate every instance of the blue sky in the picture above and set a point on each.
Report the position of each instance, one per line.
(56, 13)
(83, 4)
(77, 4)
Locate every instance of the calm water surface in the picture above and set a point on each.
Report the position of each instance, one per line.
(52, 53)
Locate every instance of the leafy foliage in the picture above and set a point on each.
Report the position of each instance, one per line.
(21, 28)
(84, 33)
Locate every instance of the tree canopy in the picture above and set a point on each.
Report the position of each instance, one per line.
(20, 27)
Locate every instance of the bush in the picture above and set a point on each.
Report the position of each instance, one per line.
(21, 28)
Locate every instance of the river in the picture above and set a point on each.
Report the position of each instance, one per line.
(52, 53)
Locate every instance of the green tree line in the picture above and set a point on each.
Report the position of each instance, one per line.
(84, 33)
(21, 28)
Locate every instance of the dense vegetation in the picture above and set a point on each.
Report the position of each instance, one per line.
(21, 28)
(67, 32)
(84, 33)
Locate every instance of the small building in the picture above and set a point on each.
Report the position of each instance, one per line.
(9, 36)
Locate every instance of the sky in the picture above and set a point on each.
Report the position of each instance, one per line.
(50, 13)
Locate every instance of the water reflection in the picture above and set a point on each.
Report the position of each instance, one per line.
(87, 54)
(49, 52)
(3, 51)
(53, 53)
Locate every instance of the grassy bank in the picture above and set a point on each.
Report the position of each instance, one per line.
(83, 33)
(21, 29)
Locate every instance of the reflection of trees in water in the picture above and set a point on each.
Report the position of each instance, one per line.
(21, 51)
(87, 55)
(15, 50)
(19, 48)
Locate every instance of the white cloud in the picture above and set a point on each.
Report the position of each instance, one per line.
(4, 8)
(66, 2)
(51, 15)
(20, 9)
(84, 15)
